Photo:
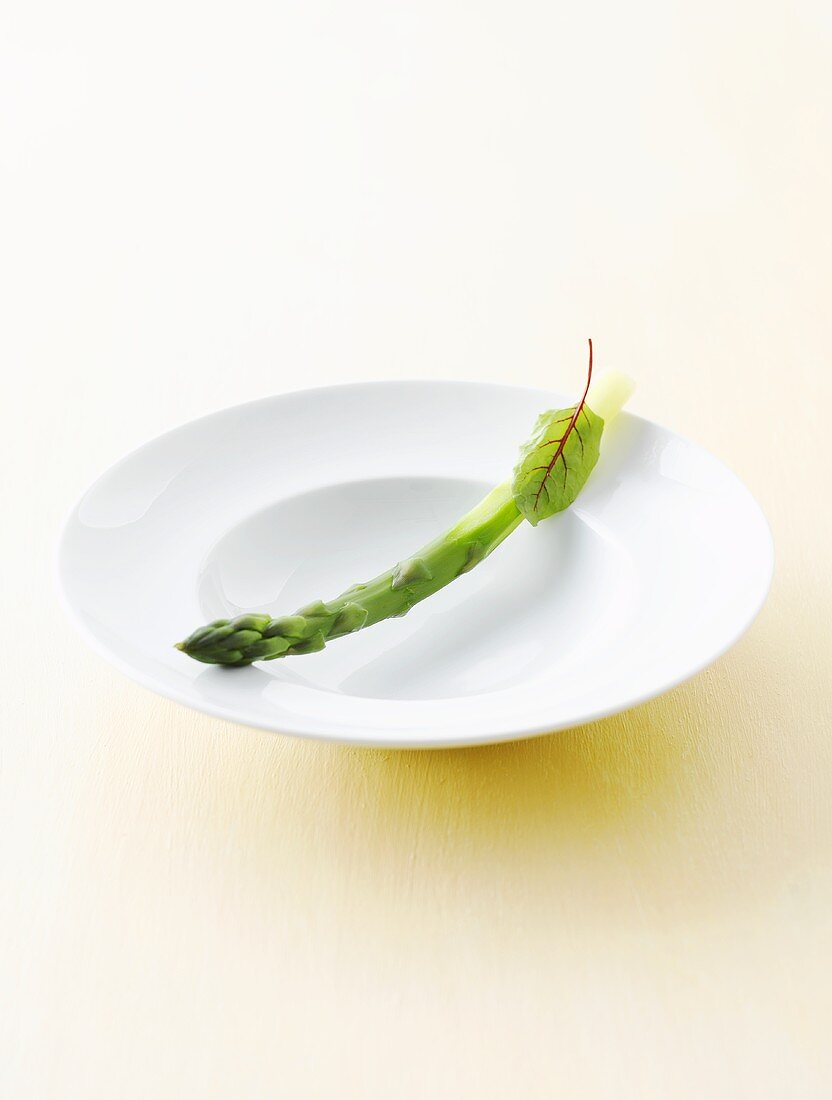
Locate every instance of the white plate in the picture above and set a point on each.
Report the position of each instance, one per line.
(661, 564)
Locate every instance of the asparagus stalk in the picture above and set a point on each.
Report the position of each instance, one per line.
(255, 637)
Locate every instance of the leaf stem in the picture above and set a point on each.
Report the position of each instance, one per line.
(562, 441)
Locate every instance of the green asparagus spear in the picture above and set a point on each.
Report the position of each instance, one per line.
(553, 468)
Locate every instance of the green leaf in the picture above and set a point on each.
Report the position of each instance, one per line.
(556, 461)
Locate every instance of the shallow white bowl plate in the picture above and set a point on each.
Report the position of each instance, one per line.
(660, 566)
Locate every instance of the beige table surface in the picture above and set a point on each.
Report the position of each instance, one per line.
(207, 204)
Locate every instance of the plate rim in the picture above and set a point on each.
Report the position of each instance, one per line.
(483, 736)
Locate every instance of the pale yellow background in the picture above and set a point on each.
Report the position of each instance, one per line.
(203, 204)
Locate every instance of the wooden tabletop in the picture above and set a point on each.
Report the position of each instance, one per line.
(207, 205)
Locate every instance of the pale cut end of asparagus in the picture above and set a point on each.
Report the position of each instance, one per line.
(609, 393)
